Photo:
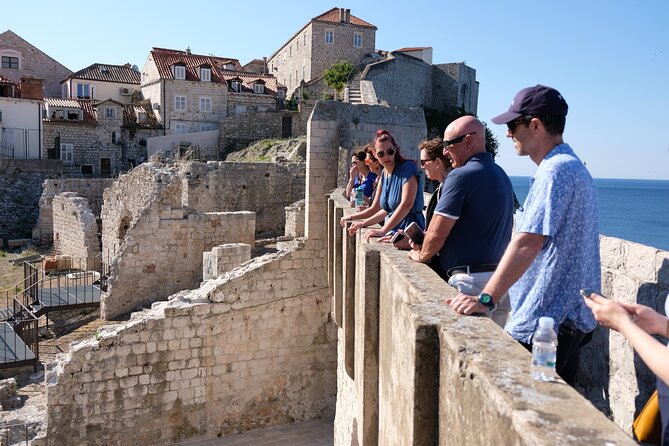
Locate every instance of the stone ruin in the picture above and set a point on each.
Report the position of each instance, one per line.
(251, 348)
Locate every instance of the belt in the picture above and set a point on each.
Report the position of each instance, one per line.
(467, 269)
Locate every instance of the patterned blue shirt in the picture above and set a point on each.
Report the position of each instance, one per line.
(562, 205)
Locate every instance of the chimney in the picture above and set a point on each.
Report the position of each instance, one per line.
(32, 88)
(342, 15)
(347, 16)
(264, 65)
(188, 50)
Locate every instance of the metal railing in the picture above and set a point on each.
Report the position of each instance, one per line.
(19, 336)
(19, 433)
(6, 150)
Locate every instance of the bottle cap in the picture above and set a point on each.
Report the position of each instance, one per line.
(546, 322)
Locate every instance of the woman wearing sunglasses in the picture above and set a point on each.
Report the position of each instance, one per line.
(398, 201)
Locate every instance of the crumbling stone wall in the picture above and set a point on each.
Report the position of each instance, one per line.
(20, 189)
(91, 189)
(224, 258)
(75, 230)
(252, 349)
(162, 254)
(295, 219)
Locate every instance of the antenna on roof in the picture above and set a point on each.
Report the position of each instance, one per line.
(188, 50)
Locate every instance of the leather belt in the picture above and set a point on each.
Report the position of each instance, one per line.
(470, 269)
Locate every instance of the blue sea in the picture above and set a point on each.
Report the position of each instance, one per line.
(634, 210)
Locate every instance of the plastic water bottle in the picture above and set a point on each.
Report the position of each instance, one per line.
(544, 350)
(352, 198)
(359, 197)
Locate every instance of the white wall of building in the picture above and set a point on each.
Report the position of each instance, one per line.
(21, 125)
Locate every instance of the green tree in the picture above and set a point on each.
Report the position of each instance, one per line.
(338, 74)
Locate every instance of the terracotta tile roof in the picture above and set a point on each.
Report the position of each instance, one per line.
(86, 106)
(4, 80)
(332, 16)
(248, 79)
(123, 74)
(414, 48)
(164, 59)
(131, 111)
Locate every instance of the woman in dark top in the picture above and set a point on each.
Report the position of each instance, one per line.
(399, 198)
(360, 175)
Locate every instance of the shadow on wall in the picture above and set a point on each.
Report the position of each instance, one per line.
(652, 295)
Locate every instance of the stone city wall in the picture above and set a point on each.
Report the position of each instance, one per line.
(454, 86)
(613, 377)
(91, 189)
(75, 230)
(244, 128)
(411, 371)
(20, 189)
(252, 349)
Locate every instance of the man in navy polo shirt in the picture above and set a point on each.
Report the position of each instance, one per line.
(555, 251)
(473, 219)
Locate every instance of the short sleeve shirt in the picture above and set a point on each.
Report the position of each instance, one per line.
(391, 193)
(479, 196)
(562, 205)
(367, 184)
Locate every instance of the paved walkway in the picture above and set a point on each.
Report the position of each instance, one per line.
(308, 433)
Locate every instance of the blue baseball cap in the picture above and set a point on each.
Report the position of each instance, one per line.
(532, 101)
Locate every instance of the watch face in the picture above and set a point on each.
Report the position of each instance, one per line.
(485, 299)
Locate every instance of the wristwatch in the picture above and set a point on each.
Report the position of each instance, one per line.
(487, 300)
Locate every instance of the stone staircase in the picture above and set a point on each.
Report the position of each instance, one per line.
(354, 95)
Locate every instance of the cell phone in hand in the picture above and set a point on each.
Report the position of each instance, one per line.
(415, 233)
(397, 236)
(587, 292)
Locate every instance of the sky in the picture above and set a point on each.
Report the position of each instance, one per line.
(610, 60)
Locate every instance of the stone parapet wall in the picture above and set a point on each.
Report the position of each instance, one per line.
(412, 371)
(401, 81)
(614, 378)
(252, 349)
(91, 189)
(244, 128)
(75, 230)
(162, 254)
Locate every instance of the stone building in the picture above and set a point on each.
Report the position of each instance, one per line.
(103, 81)
(326, 39)
(193, 93)
(20, 58)
(96, 138)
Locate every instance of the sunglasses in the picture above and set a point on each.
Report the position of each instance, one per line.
(382, 153)
(424, 162)
(513, 124)
(457, 139)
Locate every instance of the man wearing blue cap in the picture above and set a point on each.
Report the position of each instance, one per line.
(555, 251)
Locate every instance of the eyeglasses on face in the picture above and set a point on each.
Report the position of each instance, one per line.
(424, 162)
(513, 124)
(382, 153)
(457, 139)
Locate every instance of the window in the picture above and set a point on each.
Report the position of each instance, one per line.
(329, 36)
(180, 102)
(180, 129)
(305, 39)
(83, 91)
(110, 112)
(357, 40)
(235, 85)
(142, 118)
(205, 104)
(115, 137)
(258, 88)
(179, 72)
(205, 74)
(207, 126)
(228, 66)
(10, 62)
(87, 169)
(67, 153)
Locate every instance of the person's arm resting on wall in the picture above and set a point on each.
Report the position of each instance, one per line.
(435, 237)
(518, 257)
(409, 189)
